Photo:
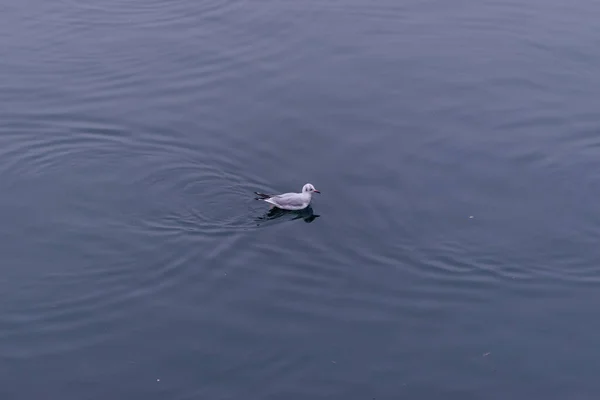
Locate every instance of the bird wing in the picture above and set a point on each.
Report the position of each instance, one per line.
(288, 200)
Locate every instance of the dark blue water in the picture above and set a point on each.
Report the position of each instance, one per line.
(452, 254)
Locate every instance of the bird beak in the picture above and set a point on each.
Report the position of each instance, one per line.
(316, 191)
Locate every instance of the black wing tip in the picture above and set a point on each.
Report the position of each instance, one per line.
(261, 196)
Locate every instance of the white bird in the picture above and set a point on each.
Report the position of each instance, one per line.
(290, 201)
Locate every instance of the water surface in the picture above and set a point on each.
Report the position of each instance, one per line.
(453, 253)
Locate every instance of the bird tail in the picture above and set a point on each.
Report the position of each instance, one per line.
(261, 196)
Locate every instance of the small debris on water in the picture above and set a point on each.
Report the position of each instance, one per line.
(471, 217)
(486, 354)
(333, 362)
(158, 380)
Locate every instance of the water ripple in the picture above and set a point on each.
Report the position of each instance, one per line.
(169, 196)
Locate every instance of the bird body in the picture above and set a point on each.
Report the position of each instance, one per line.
(290, 201)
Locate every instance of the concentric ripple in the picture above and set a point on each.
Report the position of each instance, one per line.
(123, 196)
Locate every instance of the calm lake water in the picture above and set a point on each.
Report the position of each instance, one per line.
(452, 254)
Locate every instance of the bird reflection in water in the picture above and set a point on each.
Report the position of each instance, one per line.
(274, 213)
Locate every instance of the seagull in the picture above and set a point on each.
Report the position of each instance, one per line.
(290, 201)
